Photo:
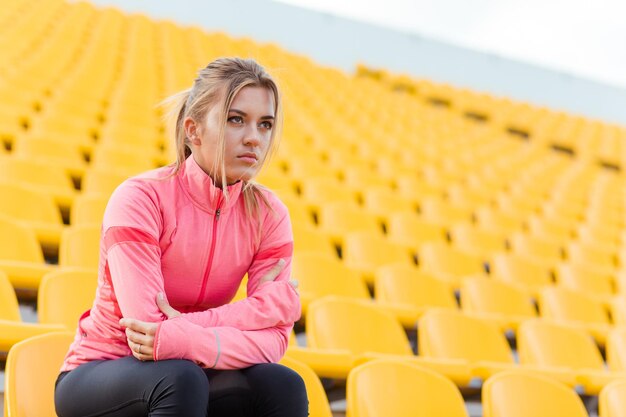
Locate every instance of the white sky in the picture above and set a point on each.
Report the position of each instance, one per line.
(582, 37)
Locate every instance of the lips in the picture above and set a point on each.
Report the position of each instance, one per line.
(249, 157)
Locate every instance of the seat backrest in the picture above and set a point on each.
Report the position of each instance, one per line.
(582, 279)
(341, 218)
(318, 401)
(64, 295)
(408, 228)
(310, 239)
(319, 275)
(22, 203)
(31, 370)
(616, 349)
(518, 270)
(485, 295)
(549, 344)
(80, 246)
(399, 388)
(563, 304)
(372, 250)
(405, 284)
(453, 335)
(612, 400)
(443, 258)
(358, 326)
(9, 308)
(23, 244)
(88, 209)
(35, 173)
(519, 394)
(101, 181)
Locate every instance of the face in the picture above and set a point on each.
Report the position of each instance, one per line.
(247, 135)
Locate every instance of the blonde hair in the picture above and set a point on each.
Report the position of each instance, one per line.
(218, 84)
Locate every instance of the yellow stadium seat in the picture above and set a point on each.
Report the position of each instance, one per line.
(401, 389)
(101, 181)
(497, 221)
(299, 211)
(540, 250)
(550, 229)
(320, 191)
(521, 394)
(88, 209)
(280, 183)
(21, 257)
(309, 239)
(448, 334)
(576, 309)
(31, 370)
(123, 159)
(339, 219)
(612, 400)
(384, 202)
(319, 275)
(318, 401)
(616, 349)
(366, 331)
(33, 210)
(543, 343)
(521, 272)
(448, 263)
(439, 211)
(496, 301)
(80, 247)
(408, 229)
(62, 154)
(594, 255)
(409, 292)
(617, 307)
(476, 241)
(64, 295)
(581, 278)
(42, 177)
(366, 252)
(12, 329)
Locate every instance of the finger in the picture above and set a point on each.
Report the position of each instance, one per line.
(141, 352)
(274, 271)
(165, 307)
(139, 338)
(139, 326)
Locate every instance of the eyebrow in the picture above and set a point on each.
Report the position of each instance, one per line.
(244, 114)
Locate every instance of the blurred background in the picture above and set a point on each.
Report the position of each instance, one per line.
(454, 173)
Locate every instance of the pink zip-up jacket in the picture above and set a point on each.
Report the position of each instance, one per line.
(179, 235)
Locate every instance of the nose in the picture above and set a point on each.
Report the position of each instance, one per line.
(252, 136)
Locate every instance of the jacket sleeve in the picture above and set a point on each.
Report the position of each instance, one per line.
(219, 347)
(268, 304)
(131, 230)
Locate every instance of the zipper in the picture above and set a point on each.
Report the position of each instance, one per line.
(207, 270)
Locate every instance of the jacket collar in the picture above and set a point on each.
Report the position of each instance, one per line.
(202, 190)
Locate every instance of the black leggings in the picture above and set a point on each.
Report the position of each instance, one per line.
(127, 387)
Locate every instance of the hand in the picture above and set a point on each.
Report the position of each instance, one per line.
(140, 334)
(273, 273)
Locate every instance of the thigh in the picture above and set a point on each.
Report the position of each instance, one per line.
(264, 390)
(127, 387)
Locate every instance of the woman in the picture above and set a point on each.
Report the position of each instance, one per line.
(161, 338)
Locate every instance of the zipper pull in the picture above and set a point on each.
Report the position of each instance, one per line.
(217, 213)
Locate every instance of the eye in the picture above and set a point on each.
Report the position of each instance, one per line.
(266, 125)
(235, 119)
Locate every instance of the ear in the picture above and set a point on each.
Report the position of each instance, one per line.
(192, 131)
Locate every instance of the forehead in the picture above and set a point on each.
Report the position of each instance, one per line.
(253, 99)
